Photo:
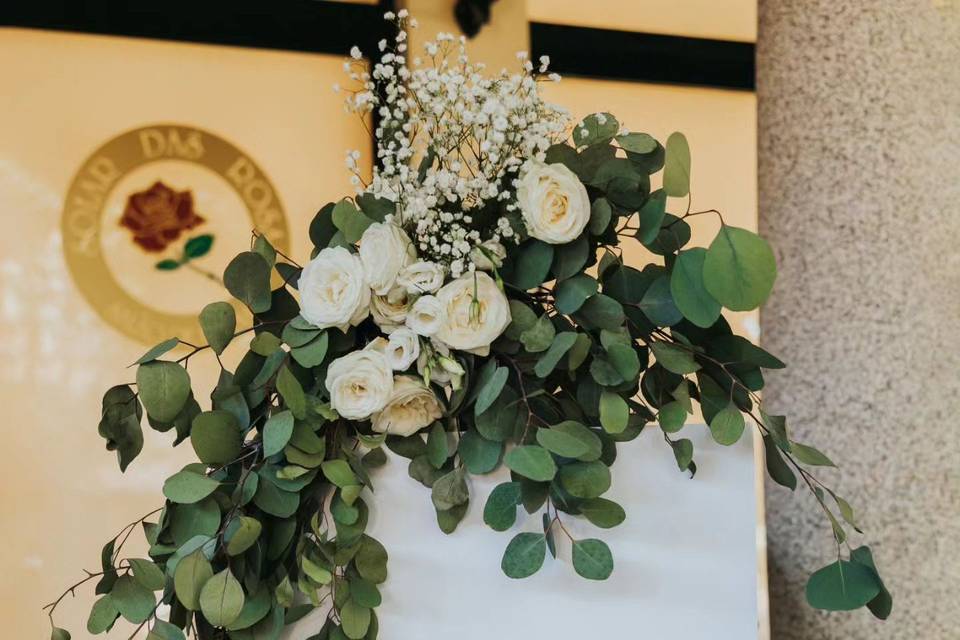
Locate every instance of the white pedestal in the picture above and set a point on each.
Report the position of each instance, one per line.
(685, 559)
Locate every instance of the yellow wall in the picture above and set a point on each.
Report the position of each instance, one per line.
(61, 494)
(721, 19)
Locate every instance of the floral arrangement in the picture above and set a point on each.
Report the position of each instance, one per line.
(468, 308)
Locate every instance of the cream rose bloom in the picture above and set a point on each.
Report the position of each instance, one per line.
(421, 277)
(360, 384)
(468, 326)
(554, 203)
(333, 291)
(412, 407)
(385, 249)
(427, 316)
(403, 349)
(390, 311)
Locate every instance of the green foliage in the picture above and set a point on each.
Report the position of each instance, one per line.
(739, 269)
(247, 278)
(272, 521)
(524, 555)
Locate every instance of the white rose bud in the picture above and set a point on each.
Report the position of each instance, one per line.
(333, 291)
(360, 384)
(403, 349)
(411, 407)
(421, 277)
(426, 316)
(385, 249)
(488, 255)
(477, 313)
(390, 311)
(554, 203)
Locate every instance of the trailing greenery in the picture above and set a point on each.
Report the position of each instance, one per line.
(271, 521)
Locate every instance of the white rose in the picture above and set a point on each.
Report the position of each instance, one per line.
(390, 311)
(488, 256)
(402, 349)
(426, 316)
(477, 313)
(412, 407)
(333, 291)
(421, 277)
(555, 204)
(385, 249)
(360, 383)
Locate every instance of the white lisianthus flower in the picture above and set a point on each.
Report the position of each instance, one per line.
(477, 313)
(421, 277)
(426, 316)
(403, 349)
(390, 311)
(554, 203)
(333, 291)
(488, 255)
(411, 407)
(360, 384)
(385, 249)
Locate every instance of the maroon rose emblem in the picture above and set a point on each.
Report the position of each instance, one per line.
(158, 216)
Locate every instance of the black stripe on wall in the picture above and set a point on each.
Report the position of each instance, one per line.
(296, 25)
(644, 57)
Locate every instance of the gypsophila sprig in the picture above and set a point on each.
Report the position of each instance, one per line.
(469, 309)
(451, 141)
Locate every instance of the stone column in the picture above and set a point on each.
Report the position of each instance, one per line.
(859, 192)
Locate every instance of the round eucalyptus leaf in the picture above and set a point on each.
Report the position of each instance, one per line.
(134, 601)
(592, 559)
(187, 487)
(147, 573)
(602, 513)
(191, 574)
(277, 432)
(531, 461)
(500, 511)
(573, 292)
(727, 426)
(614, 412)
(354, 620)
(533, 265)
(163, 388)
(478, 454)
(585, 479)
(842, 586)
(221, 599)
(371, 560)
(688, 291)
(247, 278)
(491, 389)
(215, 436)
(218, 320)
(657, 304)
(524, 555)
(562, 443)
(739, 269)
(102, 615)
(242, 536)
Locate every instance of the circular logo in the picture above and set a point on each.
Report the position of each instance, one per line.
(151, 219)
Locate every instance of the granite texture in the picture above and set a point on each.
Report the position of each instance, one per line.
(859, 186)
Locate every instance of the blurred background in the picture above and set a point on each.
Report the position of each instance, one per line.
(140, 143)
